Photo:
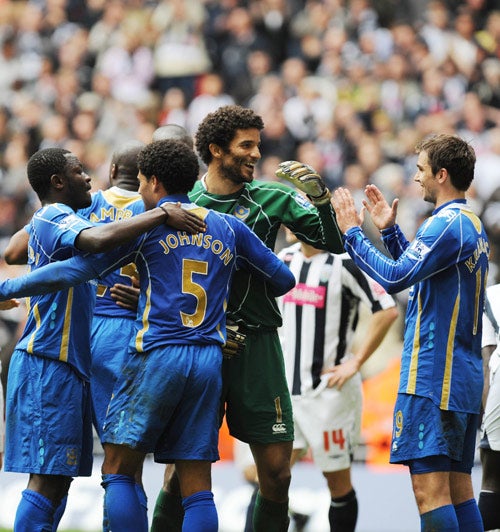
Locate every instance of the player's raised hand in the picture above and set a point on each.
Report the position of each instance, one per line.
(345, 210)
(382, 214)
(306, 179)
(183, 219)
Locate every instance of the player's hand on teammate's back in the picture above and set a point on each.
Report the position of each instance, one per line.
(306, 179)
(126, 296)
(183, 219)
(235, 341)
(8, 304)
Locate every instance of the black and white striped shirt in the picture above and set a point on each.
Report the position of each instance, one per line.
(321, 313)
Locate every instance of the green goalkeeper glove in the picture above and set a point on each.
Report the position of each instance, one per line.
(305, 178)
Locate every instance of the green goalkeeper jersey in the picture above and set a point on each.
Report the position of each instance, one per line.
(264, 206)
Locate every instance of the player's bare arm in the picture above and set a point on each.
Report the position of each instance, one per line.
(108, 236)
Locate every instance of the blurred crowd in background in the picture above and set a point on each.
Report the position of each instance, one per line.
(348, 86)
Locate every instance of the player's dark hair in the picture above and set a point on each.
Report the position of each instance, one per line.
(42, 165)
(124, 161)
(172, 162)
(173, 131)
(220, 128)
(452, 153)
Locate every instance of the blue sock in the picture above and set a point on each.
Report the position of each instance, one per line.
(143, 501)
(469, 518)
(200, 513)
(35, 513)
(442, 519)
(59, 513)
(122, 504)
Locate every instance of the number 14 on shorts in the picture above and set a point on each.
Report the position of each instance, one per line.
(332, 438)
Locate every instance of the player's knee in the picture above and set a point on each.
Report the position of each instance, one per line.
(274, 482)
(171, 482)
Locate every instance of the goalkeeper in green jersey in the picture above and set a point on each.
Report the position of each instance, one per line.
(255, 393)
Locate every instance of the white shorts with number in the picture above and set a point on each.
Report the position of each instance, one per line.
(491, 418)
(328, 421)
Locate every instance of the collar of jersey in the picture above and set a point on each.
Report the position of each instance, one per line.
(448, 203)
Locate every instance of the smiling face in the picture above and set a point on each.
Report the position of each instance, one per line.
(237, 164)
(426, 178)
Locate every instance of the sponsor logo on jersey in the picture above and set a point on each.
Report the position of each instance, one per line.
(241, 212)
(279, 428)
(377, 288)
(303, 294)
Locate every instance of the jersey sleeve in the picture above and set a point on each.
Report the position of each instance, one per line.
(61, 227)
(254, 256)
(63, 274)
(314, 225)
(394, 241)
(424, 257)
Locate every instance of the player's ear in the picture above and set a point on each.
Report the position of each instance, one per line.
(156, 184)
(215, 150)
(57, 181)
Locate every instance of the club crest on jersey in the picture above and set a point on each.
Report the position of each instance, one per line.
(241, 212)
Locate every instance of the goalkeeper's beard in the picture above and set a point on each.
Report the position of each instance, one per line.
(235, 172)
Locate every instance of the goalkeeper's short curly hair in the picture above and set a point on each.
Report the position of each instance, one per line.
(220, 128)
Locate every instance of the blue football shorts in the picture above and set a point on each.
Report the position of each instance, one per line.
(166, 402)
(421, 430)
(109, 343)
(49, 418)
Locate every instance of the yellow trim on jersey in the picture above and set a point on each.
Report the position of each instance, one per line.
(476, 222)
(445, 394)
(412, 377)
(201, 212)
(139, 339)
(36, 314)
(63, 353)
(117, 208)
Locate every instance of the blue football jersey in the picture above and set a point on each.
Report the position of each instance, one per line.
(184, 278)
(112, 205)
(58, 324)
(446, 268)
